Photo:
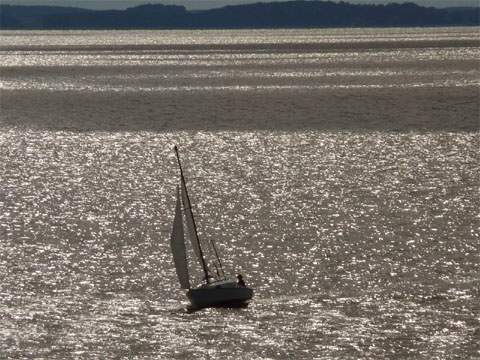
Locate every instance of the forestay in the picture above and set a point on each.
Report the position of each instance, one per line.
(190, 225)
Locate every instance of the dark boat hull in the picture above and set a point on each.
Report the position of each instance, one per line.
(219, 297)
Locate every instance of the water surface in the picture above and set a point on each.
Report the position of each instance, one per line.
(342, 181)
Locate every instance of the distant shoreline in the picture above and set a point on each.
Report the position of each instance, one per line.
(290, 14)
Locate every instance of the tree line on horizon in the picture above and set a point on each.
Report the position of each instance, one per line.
(291, 14)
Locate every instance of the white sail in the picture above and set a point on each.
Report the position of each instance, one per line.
(190, 224)
(177, 243)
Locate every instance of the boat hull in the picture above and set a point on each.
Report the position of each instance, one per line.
(219, 297)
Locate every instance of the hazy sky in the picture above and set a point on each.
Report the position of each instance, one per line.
(205, 4)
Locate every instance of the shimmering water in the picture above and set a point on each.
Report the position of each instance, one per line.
(337, 170)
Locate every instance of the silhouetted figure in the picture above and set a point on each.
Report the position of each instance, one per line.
(240, 282)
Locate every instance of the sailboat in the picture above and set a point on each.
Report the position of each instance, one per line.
(216, 289)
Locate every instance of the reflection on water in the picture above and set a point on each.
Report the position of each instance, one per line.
(53, 38)
(362, 245)
(160, 61)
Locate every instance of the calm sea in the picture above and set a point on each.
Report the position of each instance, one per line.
(337, 170)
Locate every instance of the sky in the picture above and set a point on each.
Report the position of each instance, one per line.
(207, 4)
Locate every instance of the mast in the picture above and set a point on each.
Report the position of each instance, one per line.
(189, 208)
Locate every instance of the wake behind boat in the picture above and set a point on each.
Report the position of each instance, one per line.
(217, 290)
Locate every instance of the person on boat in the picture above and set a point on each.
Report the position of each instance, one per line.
(240, 282)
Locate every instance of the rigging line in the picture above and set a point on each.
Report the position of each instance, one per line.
(214, 247)
(218, 257)
(189, 206)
